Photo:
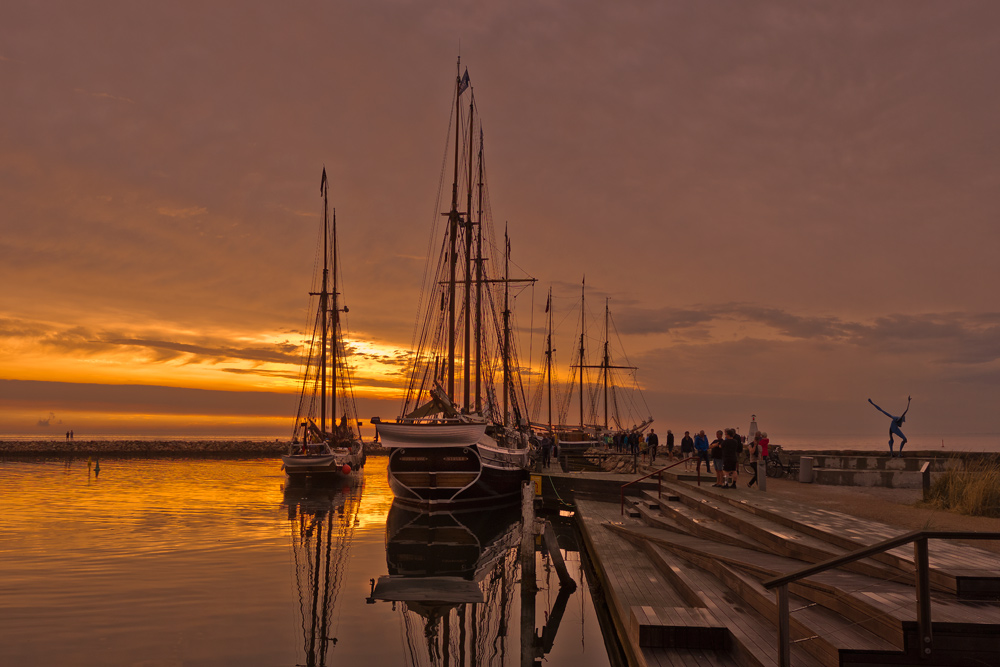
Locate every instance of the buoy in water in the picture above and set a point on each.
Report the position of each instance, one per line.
(347, 469)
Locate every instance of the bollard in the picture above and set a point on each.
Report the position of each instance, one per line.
(806, 469)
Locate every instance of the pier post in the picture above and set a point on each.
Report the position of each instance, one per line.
(921, 560)
(529, 586)
(555, 555)
(806, 469)
(784, 640)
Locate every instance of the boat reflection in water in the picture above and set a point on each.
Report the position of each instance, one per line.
(453, 577)
(322, 519)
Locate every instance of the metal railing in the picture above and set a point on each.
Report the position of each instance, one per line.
(920, 557)
(659, 478)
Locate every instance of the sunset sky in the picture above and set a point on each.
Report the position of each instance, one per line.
(792, 206)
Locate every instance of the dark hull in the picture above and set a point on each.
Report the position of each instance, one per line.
(442, 544)
(451, 479)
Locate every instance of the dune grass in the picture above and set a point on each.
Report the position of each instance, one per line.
(972, 490)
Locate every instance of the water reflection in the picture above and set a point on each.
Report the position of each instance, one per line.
(453, 576)
(322, 520)
(214, 562)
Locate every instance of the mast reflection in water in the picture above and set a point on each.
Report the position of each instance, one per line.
(453, 579)
(322, 521)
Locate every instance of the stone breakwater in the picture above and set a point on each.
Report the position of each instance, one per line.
(160, 448)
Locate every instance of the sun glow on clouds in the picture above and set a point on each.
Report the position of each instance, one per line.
(217, 360)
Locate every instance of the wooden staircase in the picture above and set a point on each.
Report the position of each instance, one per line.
(683, 576)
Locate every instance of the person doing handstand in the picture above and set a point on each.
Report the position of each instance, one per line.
(895, 424)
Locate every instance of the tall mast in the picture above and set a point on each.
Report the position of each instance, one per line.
(583, 324)
(453, 235)
(607, 362)
(467, 355)
(605, 365)
(548, 355)
(335, 324)
(506, 323)
(479, 284)
(323, 296)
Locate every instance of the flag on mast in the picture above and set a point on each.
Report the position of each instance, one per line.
(464, 82)
(322, 183)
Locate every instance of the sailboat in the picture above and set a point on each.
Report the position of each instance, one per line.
(322, 446)
(621, 410)
(463, 439)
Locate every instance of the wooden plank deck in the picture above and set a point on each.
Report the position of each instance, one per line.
(633, 582)
(776, 537)
(952, 560)
(674, 575)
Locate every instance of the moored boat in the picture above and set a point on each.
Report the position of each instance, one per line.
(463, 440)
(322, 447)
(623, 413)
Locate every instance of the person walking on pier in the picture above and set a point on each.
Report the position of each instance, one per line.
(701, 450)
(670, 444)
(715, 453)
(653, 442)
(894, 425)
(687, 449)
(730, 453)
(754, 449)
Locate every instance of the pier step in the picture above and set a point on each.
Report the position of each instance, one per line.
(774, 537)
(651, 515)
(964, 570)
(817, 630)
(883, 607)
(678, 627)
(840, 617)
(753, 639)
(693, 522)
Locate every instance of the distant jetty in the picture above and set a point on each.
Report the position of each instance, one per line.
(14, 449)
(158, 448)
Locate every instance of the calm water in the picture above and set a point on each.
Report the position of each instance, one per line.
(158, 563)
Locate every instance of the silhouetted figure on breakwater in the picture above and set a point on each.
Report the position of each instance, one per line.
(895, 424)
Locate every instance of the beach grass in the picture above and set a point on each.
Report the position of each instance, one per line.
(973, 489)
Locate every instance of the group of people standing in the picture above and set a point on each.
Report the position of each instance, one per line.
(722, 454)
(627, 442)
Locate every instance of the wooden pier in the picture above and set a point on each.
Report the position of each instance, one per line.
(684, 574)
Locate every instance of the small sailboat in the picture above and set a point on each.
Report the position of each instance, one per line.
(463, 439)
(322, 445)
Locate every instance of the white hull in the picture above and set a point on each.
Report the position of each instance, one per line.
(430, 434)
(504, 458)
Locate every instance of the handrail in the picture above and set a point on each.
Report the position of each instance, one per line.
(659, 481)
(921, 560)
